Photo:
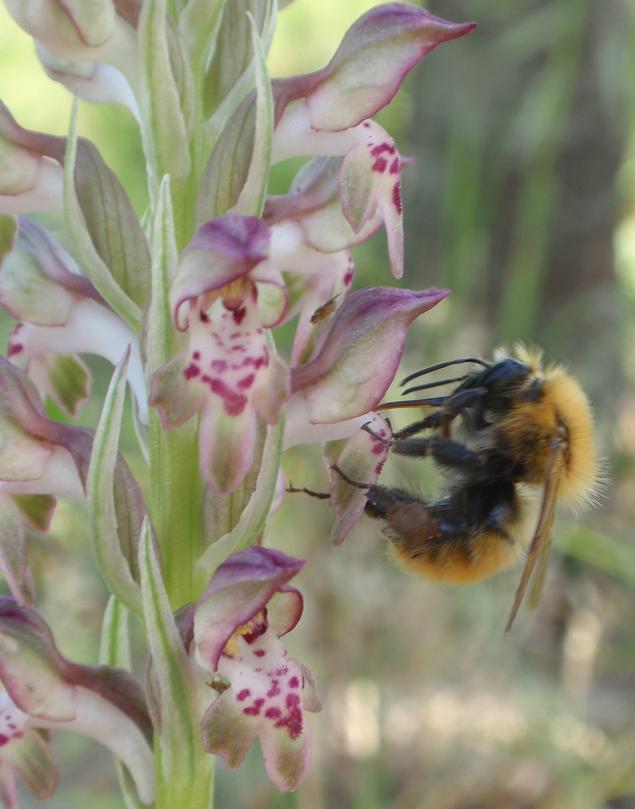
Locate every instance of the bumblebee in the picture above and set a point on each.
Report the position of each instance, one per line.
(508, 432)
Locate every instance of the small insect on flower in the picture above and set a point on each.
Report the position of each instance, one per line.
(326, 310)
(508, 428)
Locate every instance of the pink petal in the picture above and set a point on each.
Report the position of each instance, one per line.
(360, 355)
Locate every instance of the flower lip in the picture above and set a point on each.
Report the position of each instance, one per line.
(238, 591)
(222, 251)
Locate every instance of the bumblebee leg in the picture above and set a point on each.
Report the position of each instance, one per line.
(303, 490)
(440, 419)
(445, 451)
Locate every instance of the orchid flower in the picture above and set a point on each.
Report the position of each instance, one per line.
(45, 690)
(80, 31)
(91, 81)
(238, 623)
(60, 315)
(41, 459)
(328, 112)
(29, 180)
(353, 365)
(225, 296)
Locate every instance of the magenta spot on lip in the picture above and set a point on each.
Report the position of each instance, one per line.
(238, 348)
(394, 166)
(254, 709)
(234, 403)
(196, 355)
(242, 695)
(366, 124)
(3, 739)
(203, 317)
(219, 365)
(11, 725)
(348, 277)
(14, 348)
(236, 334)
(378, 448)
(246, 382)
(292, 700)
(18, 734)
(281, 671)
(273, 713)
(379, 467)
(396, 197)
(274, 690)
(239, 315)
(259, 652)
(381, 148)
(292, 722)
(191, 371)
(294, 682)
(380, 165)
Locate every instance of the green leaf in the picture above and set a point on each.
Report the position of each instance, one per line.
(161, 335)
(252, 197)
(234, 49)
(253, 518)
(231, 134)
(199, 24)
(176, 746)
(112, 544)
(92, 264)
(112, 223)
(165, 136)
(8, 233)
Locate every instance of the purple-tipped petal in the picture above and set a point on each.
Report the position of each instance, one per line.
(31, 668)
(239, 589)
(375, 55)
(373, 59)
(361, 353)
(222, 251)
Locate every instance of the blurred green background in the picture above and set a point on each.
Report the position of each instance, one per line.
(522, 200)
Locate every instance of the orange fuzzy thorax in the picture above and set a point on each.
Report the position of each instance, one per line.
(530, 426)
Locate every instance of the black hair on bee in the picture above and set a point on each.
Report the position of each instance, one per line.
(508, 428)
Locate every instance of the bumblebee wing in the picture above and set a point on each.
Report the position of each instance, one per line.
(538, 552)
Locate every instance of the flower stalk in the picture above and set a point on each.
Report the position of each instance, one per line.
(185, 307)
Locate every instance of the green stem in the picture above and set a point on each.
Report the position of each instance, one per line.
(194, 789)
(176, 497)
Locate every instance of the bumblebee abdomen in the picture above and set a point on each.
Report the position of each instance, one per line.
(457, 559)
(426, 546)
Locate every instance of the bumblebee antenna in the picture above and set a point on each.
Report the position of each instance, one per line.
(434, 384)
(440, 365)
